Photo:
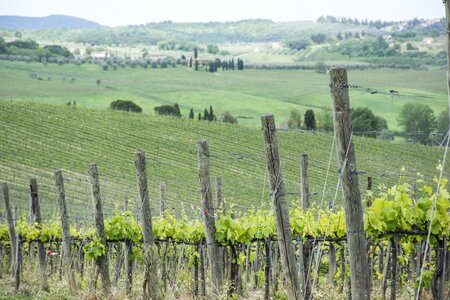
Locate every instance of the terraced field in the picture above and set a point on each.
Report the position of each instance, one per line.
(37, 139)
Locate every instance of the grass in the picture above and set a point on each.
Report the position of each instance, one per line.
(249, 93)
(40, 138)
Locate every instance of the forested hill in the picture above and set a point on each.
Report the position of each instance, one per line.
(49, 22)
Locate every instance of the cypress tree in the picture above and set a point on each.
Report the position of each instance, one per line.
(195, 53)
(196, 65)
(190, 62)
(206, 115)
(191, 114)
(177, 111)
(211, 113)
(310, 119)
(199, 116)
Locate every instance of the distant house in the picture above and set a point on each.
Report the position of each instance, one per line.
(277, 46)
(428, 40)
(99, 54)
(387, 37)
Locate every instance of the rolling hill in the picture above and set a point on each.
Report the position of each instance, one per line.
(37, 139)
(49, 22)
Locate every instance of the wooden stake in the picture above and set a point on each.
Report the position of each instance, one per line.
(208, 216)
(101, 261)
(151, 286)
(356, 235)
(66, 238)
(305, 248)
(36, 217)
(280, 208)
(10, 221)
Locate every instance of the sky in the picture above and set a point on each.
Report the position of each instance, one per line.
(133, 12)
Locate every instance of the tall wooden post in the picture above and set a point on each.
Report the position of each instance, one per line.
(10, 221)
(162, 200)
(66, 238)
(305, 248)
(101, 261)
(151, 286)
(36, 217)
(280, 208)
(352, 199)
(305, 182)
(208, 216)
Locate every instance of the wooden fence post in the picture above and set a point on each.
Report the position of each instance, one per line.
(151, 286)
(36, 217)
(101, 261)
(66, 238)
(280, 207)
(356, 235)
(208, 216)
(10, 221)
(305, 248)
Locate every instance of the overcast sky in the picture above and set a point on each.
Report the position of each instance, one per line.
(114, 13)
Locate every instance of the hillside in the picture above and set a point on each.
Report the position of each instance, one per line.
(40, 138)
(49, 22)
(245, 94)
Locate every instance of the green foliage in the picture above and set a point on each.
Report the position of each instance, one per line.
(3, 48)
(23, 44)
(125, 105)
(442, 121)
(419, 119)
(319, 38)
(227, 117)
(212, 48)
(296, 44)
(94, 249)
(191, 114)
(326, 119)
(364, 122)
(295, 119)
(310, 119)
(168, 110)
(321, 67)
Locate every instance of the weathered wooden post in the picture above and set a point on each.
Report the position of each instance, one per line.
(280, 208)
(10, 221)
(208, 216)
(18, 256)
(356, 235)
(305, 248)
(151, 287)
(101, 261)
(66, 238)
(36, 217)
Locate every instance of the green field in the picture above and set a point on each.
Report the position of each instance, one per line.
(37, 139)
(248, 94)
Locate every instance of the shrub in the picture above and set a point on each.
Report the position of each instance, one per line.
(168, 110)
(125, 105)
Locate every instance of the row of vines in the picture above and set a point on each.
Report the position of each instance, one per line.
(396, 225)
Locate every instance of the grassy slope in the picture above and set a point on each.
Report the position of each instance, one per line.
(39, 138)
(249, 93)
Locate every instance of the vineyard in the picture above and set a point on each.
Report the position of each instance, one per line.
(396, 224)
(230, 245)
(38, 139)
